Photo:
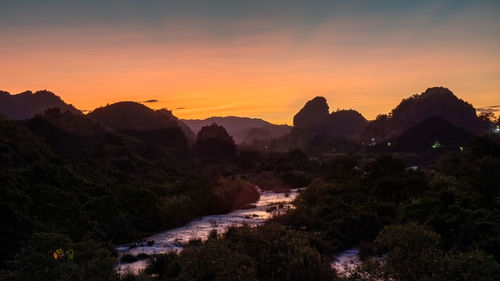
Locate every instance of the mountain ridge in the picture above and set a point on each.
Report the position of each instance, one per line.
(27, 104)
(242, 129)
(128, 115)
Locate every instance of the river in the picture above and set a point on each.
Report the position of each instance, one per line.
(269, 204)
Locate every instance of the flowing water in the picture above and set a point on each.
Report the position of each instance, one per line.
(346, 260)
(269, 204)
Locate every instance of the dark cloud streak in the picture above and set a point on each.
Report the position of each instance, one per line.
(491, 108)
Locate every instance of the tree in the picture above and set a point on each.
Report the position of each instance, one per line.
(412, 252)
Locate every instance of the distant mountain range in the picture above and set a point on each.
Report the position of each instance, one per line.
(314, 118)
(312, 122)
(242, 129)
(27, 104)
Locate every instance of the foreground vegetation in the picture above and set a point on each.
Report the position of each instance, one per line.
(439, 222)
(67, 200)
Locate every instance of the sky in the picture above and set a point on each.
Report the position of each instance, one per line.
(265, 59)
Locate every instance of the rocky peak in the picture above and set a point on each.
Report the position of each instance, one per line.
(213, 143)
(434, 102)
(214, 132)
(313, 112)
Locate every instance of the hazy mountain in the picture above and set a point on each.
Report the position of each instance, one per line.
(126, 116)
(242, 129)
(261, 133)
(314, 119)
(27, 104)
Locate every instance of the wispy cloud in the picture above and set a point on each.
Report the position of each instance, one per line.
(491, 108)
(150, 101)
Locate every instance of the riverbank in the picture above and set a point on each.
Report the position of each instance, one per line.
(269, 204)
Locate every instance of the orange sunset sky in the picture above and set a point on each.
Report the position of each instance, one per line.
(264, 59)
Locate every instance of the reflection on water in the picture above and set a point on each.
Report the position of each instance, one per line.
(269, 204)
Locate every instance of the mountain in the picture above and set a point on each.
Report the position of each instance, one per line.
(313, 116)
(132, 116)
(27, 104)
(214, 143)
(434, 102)
(348, 123)
(231, 123)
(242, 129)
(76, 124)
(434, 133)
(314, 120)
(263, 133)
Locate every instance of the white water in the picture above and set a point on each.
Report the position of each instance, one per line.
(346, 260)
(174, 239)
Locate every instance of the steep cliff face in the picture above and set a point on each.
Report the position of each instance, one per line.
(314, 119)
(312, 116)
(27, 104)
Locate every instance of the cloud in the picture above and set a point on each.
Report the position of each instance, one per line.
(180, 108)
(150, 101)
(491, 108)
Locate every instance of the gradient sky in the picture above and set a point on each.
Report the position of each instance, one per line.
(251, 58)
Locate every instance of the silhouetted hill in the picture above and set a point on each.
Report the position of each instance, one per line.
(343, 123)
(315, 120)
(77, 124)
(434, 102)
(263, 133)
(312, 117)
(242, 129)
(232, 124)
(433, 133)
(27, 104)
(214, 143)
(129, 116)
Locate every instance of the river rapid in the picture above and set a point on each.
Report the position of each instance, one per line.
(269, 204)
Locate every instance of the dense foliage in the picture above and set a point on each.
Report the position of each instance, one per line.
(68, 199)
(83, 194)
